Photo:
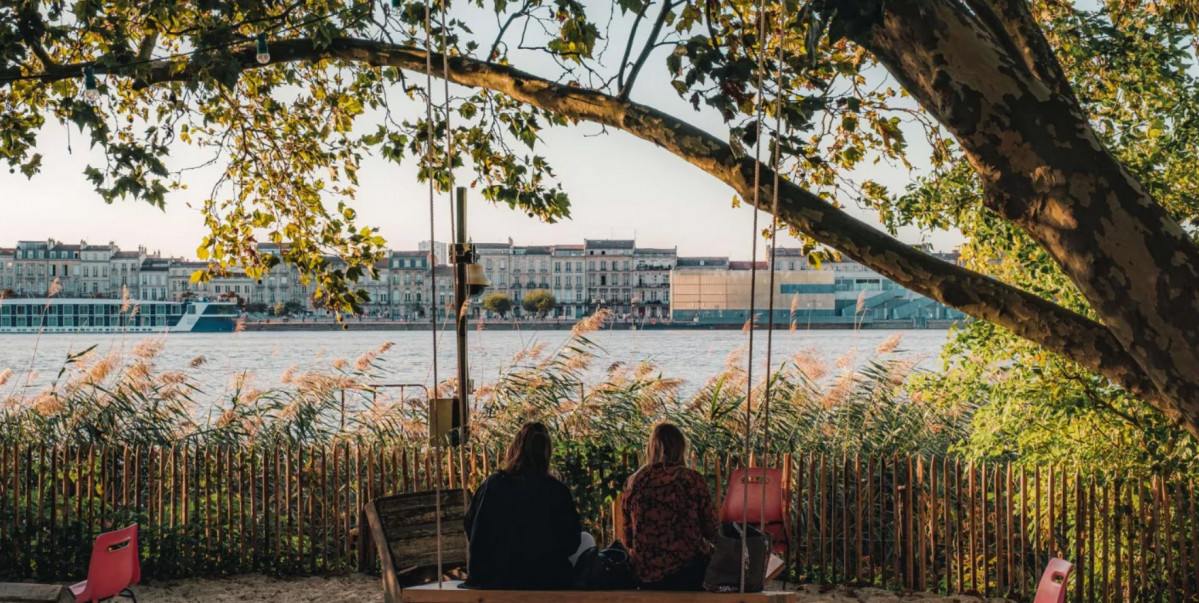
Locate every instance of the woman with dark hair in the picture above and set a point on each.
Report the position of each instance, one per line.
(669, 518)
(522, 525)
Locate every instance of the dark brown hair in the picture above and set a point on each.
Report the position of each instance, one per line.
(667, 446)
(530, 450)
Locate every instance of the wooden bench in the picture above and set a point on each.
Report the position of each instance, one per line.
(450, 593)
(35, 593)
(404, 528)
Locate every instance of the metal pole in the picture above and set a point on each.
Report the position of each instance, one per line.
(461, 258)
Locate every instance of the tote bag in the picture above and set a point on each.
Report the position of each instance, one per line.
(724, 571)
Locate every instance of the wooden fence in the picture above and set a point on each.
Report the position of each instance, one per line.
(933, 524)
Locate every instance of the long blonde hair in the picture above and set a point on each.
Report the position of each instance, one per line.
(667, 446)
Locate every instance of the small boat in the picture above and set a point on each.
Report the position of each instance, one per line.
(87, 315)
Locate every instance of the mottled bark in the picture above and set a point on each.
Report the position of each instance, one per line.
(1044, 169)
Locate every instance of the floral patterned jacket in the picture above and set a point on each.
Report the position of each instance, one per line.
(669, 520)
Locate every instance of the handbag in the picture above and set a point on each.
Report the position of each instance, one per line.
(724, 570)
(604, 569)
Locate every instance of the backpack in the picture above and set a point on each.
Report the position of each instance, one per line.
(604, 569)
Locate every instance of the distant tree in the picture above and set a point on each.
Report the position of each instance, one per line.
(539, 302)
(279, 309)
(293, 307)
(498, 303)
(7, 293)
(256, 307)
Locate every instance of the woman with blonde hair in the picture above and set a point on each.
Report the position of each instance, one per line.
(669, 518)
(522, 527)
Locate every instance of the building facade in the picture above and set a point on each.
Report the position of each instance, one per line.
(651, 281)
(609, 274)
(717, 291)
(569, 278)
(636, 283)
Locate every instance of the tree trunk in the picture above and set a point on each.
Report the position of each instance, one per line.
(1044, 169)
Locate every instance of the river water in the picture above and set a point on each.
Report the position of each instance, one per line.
(690, 355)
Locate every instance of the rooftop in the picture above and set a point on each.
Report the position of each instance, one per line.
(749, 265)
(507, 245)
(703, 262)
(609, 243)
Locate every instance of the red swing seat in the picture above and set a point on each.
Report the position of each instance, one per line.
(1052, 588)
(113, 568)
(744, 502)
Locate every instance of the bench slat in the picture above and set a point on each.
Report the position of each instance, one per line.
(35, 593)
(450, 593)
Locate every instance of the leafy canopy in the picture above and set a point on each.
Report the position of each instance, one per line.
(292, 134)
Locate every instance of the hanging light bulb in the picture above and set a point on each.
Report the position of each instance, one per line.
(264, 54)
(90, 92)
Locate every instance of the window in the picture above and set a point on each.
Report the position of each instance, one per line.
(557, 266)
(604, 265)
(591, 265)
(488, 263)
(626, 264)
(557, 281)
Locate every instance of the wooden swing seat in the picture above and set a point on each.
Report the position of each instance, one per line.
(404, 528)
(448, 592)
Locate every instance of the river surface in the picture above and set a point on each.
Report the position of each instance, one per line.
(693, 356)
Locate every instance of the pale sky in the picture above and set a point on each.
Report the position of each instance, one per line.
(620, 186)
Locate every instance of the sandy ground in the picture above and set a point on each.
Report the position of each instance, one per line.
(362, 588)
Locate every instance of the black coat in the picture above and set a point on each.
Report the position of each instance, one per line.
(522, 530)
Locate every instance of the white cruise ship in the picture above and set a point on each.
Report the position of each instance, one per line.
(66, 315)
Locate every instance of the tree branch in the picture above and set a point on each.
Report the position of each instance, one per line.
(645, 52)
(1067, 333)
(628, 48)
(499, 37)
(1018, 33)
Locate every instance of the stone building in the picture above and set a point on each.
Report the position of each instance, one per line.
(609, 274)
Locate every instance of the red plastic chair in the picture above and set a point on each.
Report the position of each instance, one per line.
(113, 568)
(1052, 588)
(745, 487)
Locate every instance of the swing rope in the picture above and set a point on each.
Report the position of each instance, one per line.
(753, 278)
(449, 170)
(774, 230)
(753, 289)
(432, 276)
